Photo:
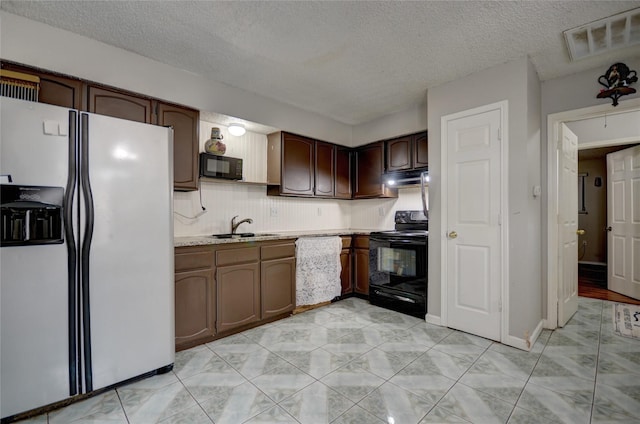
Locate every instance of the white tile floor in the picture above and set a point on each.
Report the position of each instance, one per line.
(351, 362)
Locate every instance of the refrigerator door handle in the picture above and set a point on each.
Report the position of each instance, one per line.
(72, 257)
(87, 195)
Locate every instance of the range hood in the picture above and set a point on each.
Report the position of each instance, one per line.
(405, 178)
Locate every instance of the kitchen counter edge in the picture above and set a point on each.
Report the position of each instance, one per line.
(284, 235)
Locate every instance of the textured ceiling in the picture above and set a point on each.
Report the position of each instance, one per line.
(350, 61)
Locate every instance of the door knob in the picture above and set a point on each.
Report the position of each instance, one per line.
(580, 232)
(453, 234)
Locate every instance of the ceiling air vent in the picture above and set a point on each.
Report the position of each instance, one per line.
(614, 32)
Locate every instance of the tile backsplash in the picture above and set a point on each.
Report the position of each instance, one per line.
(272, 213)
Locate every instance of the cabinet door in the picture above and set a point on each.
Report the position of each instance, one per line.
(361, 274)
(185, 123)
(119, 105)
(324, 169)
(238, 289)
(297, 165)
(369, 168)
(54, 90)
(420, 151)
(278, 286)
(399, 154)
(345, 274)
(195, 307)
(343, 173)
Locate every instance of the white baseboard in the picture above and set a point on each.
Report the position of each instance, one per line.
(525, 344)
(547, 324)
(433, 319)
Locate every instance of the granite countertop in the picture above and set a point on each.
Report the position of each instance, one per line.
(281, 235)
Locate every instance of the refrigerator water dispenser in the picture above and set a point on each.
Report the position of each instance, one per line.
(31, 215)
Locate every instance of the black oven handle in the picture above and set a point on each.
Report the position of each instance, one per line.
(394, 296)
(396, 242)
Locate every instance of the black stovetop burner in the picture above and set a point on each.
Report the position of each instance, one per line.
(408, 224)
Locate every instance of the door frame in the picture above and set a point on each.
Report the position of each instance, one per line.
(503, 106)
(553, 190)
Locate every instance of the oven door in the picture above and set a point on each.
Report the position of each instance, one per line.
(398, 264)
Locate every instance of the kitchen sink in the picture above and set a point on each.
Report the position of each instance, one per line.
(241, 235)
(229, 235)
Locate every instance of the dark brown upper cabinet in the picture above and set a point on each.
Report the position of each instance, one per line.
(325, 169)
(343, 178)
(104, 101)
(185, 124)
(421, 150)
(297, 165)
(399, 153)
(369, 167)
(408, 152)
(54, 89)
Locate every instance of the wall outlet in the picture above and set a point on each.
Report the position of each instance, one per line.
(273, 211)
(381, 211)
(319, 211)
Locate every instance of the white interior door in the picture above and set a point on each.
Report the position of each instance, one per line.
(473, 246)
(568, 219)
(623, 214)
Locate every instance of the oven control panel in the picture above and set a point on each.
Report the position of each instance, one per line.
(410, 217)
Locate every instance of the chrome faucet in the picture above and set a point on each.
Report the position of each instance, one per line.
(234, 224)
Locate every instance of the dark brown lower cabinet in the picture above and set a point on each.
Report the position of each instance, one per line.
(277, 278)
(278, 286)
(361, 264)
(238, 295)
(195, 301)
(346, 258)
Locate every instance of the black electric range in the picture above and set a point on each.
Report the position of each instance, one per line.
(398, 264)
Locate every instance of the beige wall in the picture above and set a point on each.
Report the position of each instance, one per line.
(595, 220)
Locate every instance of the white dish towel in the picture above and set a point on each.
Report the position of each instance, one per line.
(317, 269)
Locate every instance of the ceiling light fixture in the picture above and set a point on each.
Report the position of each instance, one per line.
(237, 129)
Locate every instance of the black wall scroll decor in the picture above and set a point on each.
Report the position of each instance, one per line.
(617, 81)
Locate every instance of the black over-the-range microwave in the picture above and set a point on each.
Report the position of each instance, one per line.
(220, 166)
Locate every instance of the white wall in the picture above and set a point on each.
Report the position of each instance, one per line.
(515, 82)
(36, 44)
(409, 121)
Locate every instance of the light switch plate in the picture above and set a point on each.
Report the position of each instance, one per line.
(50, 127)
(63, 129)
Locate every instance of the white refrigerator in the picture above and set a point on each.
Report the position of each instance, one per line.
(86, 260)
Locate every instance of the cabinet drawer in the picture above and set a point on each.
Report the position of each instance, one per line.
(189, 259)
(237, 256)
(361, 242)
(346, 241)
(278, 251)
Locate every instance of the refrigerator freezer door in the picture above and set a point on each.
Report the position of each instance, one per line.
(131, 253)
(34, 357)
